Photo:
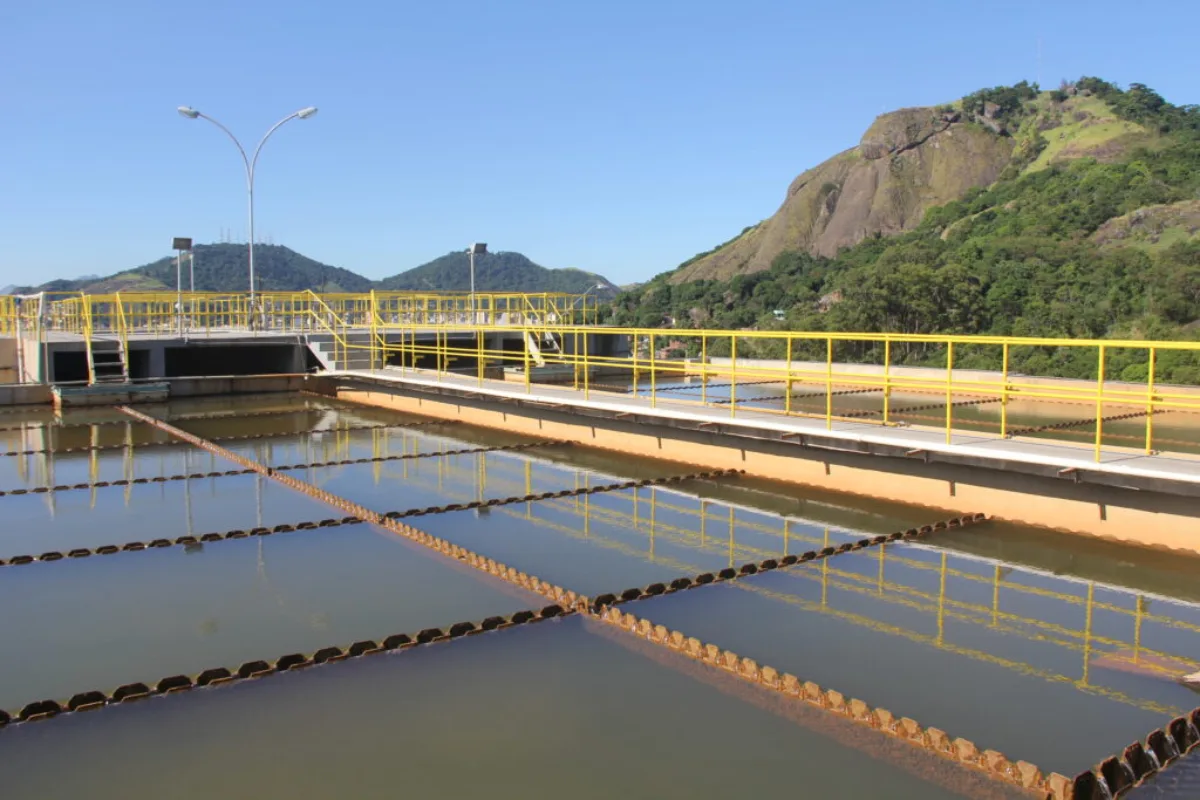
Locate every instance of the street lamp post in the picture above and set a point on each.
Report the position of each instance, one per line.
(479, 248)
(250, 163)
(181, 245)
(583, 297)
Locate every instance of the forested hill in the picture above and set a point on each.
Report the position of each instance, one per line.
(1060, 246)
(496, 272)
(222, 268)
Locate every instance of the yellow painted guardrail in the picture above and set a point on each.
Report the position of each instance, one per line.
(885, 393)
(162, 312)
(835, 377)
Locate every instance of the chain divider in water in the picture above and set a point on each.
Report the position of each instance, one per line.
(218, 676)
(236, 438)
(1116, 775)
(959, 750)
(314, 465)
(962, 751)
(1078, 423)
(391, 521)
(332, 522)
(215, 415)
(603, 601)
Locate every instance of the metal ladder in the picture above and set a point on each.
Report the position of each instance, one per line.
(106, 361)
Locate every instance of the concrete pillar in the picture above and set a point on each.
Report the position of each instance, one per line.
(158, 361)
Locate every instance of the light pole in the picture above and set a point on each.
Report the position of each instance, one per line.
(250, 163)
(181, 245)
(481, 249)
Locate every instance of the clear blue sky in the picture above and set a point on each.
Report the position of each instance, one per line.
(618, 136)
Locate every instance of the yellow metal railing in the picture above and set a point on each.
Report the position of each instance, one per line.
(85, 309)
(831, 377)
(1099, 412)
(162, 312)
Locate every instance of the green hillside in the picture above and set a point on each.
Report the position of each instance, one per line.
(496, 272)
(223, 268)
(1099, 245)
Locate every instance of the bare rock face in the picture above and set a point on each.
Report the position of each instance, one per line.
(907, 161)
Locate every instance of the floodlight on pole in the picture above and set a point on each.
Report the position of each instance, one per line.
(249, 162)
(478, 248)
(181, 245)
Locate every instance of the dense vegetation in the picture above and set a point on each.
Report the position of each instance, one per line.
(1016, 258)
(494, 272)
(222, 268)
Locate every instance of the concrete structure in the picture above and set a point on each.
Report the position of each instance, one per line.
(1126, 496)
(62, 357)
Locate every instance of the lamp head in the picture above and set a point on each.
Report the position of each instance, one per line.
(188, 112)
(305, 113)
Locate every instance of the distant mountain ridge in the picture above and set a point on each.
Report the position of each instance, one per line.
(222, 268)
(496, 272)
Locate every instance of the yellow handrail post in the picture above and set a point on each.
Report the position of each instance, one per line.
(1150, 404)
(374, 332)
(704, 369)
(653, 375)
(1004, 392)
(586, 386)
(1099, 400)
(787, 386)
(439, 345)
(122, 329)
(829, 383)
(733, 375)
(887, 381)
(479, 354)
(86, 308)
(528, 333)
(636, 377)
(949, 390)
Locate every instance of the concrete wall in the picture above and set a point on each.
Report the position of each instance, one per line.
(1140, 517)
(41, 394)
(26, 394)
(8, 360)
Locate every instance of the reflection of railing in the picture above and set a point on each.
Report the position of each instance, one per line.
(643, 517)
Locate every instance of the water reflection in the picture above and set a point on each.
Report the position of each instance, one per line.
(543, 711)
(1078, 669)
(101, 622)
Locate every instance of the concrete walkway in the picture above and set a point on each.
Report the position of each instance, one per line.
(967, 446)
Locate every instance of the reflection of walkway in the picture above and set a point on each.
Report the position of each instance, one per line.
(1008, 584)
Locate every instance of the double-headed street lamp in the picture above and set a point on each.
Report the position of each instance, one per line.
(250, 163)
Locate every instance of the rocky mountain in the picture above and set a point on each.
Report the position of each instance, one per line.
(911, 160)
(1083, 223)
(907, 161)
